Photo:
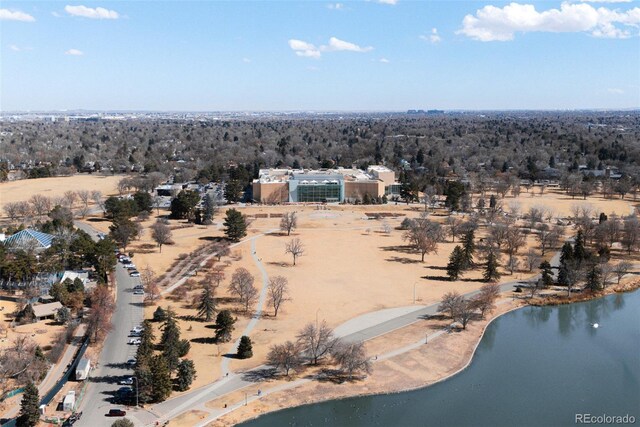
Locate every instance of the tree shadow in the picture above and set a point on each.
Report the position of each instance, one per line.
(118, 365)
(231, 356)
(472, 280)
(336, 376)
(204, 340)
(97, 219)
(405, 249)
(137, 304)
(216, 239)
(258, 375)
(109, 379)
(438, 278)
(278, 264)
(403, 260)
(437, 267)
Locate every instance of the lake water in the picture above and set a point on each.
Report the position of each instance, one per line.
(534, 367)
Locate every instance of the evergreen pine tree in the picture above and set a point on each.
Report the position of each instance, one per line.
(566, 253)
(160, 378)
(594, 278)
(468, 248)
(209, 209)
(186, 375)
(547, 276)
(580, 254)
(245, 348)
(207, 305)
(29, 407)
(224, 326)
(491, 273)
(563, 275)
(456, 259)
(170, 341)
(235, 225)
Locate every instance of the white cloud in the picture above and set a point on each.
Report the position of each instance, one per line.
(434, 37)
(615, 91)
(246, 60)
(302, 48)
(335, 6)
(74, 52)
(15, 48)
(15, 15)
(92, 13)
(391, 2)
(56, 14)
(606, 1)
(336, 44)
(500, 24)
(384, 60)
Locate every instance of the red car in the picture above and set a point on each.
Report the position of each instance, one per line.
(116, 413)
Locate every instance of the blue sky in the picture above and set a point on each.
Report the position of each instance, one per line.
(388, 55)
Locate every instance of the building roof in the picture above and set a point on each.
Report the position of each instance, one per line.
(73, 275)
(46, 310)
(29, 238)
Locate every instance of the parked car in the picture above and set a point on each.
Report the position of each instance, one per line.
(138, 292)
(127, 381)
(116, 413)
(137, 328)
(131, 362)
(131, 267)
(134, 273)
(138, 287)
(134, 341)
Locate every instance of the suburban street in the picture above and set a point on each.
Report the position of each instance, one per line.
(111, 367)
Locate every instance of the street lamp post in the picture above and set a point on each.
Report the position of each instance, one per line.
(414, 292)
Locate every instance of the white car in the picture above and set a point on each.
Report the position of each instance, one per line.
(130, 267)
(127, 381)
(135, 341)
(134, 273)
(138, 292)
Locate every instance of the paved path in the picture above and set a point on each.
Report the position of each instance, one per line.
(258, 313)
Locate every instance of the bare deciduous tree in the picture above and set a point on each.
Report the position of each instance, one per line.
(352, 358)
(621, 269)
(278, 293)
(449, 302)
(424, 235)
(317, 341)
(285, 356)
(242, 286)
(161, 234)
(69, 199)
(85, 198)
(295, 248)
(533, 259)
(288, 222)
(41, 204)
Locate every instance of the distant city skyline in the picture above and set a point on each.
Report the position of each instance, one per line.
(384, 55)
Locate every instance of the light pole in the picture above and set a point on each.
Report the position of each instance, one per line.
(245, 398)
(414, 292)
(137, 384)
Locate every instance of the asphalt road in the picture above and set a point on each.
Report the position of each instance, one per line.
(103, 380)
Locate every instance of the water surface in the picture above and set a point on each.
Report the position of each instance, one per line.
(536, 366)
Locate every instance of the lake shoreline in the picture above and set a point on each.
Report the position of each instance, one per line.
(458, 360)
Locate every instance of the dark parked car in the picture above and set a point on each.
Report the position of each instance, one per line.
(116, 413)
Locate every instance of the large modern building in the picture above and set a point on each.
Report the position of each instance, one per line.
(322, 186)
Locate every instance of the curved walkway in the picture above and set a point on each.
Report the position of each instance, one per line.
(258, 313)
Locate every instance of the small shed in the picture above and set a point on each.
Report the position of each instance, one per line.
(45, 311)
(69, 401)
